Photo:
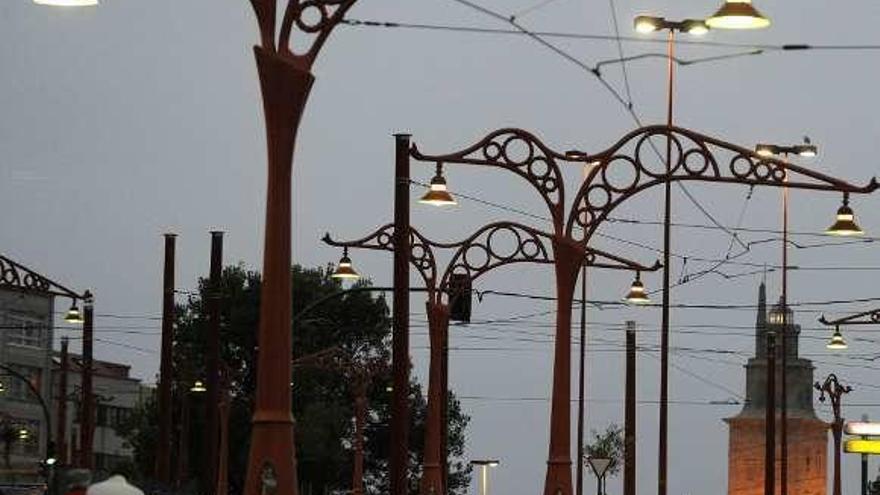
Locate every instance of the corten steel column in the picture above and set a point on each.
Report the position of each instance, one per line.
(360, 419)
(667, 235)
(432, 464)
(579, 459)
(87, 423)
(400, 360)
(212, 381)
(444, 402)
(629, 432)
(62, 404)
(223, 460)
(166, 406)
(770, 418)
(568, 258)
(783, 410)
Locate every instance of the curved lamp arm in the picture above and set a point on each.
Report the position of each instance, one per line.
(625, 169)
(871, 317)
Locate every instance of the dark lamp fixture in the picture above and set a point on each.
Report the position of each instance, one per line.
(837, 342)
(737, 14)
(637, 293)
(438, 194)
(485, 462)
(845, 223)
(647, 24)
(344, 269)
(599, 464)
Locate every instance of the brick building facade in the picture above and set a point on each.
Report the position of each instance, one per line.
(807, 434)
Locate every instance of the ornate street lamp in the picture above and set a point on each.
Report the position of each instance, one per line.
(845, 223)
(73, 314)
(637, 294)
(438, 194)
(737, 14)
(837, 342)
(344, 270)
(833, 390)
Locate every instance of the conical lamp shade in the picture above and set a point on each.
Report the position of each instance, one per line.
(737, 14)
(73, 315)
(438, 195)
(344, 270)
(67, 3)
(836, 341)
(636, 294)
(845, 224)
(599, 465)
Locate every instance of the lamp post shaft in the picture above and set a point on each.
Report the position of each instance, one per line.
(579, 464)
(629, 434)
(568, 261)
(667, 240)
(770, 419)
(212, 365)
(163, 445)
(400, 337)
(360, 419)
(183, 440)
(62, 403)
(285, 86)
(87, 430)
(783, 406)
(432, 463)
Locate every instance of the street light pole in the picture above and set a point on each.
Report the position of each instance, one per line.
(212, 365)
(770, 418)
(832, 388)
(484, 465)
(163, 445)
(87, 425)
(285, 81)
(400, 360)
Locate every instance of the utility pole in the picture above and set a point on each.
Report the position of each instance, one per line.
(87, 424)
(629, 434)
(213, 364)
(62, 403)
(163, 448)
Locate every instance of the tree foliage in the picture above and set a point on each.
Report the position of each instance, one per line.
(357, 324)
(608, 444)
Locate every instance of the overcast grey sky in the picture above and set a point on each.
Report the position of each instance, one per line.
(143, 116)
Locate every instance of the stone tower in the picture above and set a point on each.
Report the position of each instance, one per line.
(807, 434)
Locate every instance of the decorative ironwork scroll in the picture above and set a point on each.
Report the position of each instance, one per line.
(16, 276)
(307, 17)
(520, 152)
(630, 167)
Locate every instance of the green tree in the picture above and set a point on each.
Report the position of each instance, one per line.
(356, 324)
(608, 444)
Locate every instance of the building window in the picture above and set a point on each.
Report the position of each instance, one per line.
(17, 389)
(24, 331)
(112, 416)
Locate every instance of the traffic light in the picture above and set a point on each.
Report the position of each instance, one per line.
(460, 298)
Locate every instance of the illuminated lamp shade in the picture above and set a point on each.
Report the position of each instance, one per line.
(765, 150)
(344, 270)
(198, 387)
(695, 27)
(737, 14)
(807, 150)
(438, 194)
(67, 3)
(23, 434)
(73, 314)
(837, 342)
(637, 293)
(2, 387)
(845, 223)
(647, 24)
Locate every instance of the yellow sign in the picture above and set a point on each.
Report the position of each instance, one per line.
(862, 446)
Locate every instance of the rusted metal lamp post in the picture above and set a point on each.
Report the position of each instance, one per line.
(531, 246)
(15, 276)
(618, 173)
(832, 388)
(285, 81)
